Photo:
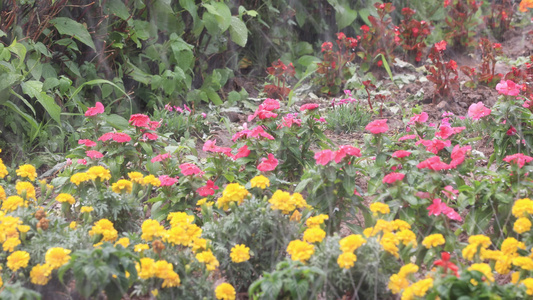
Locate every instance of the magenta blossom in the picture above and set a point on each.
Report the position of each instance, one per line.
(96, 110)
(418, 118)
(518, 158)
(438, 207)
(87, 143)
(268, 164)
(508, 88)
(433, 163)
(393, 177)
(94, 154)
(407, 137)
(308, 106)
(478, 110)
(160, 157)
(377, 126)
(324, 157)
(346, 150)
(167, 180)
(242, 152)
(208, 189)
(401, 154)
(190, 169)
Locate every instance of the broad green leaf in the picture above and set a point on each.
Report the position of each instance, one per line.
(7, 80)
(76, 30)
(221, 13)
(214, 97)
(344, 15)
(117, 8)
(238, 32)
(27, 117)
(117, 121)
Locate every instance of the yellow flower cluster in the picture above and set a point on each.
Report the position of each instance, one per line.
(122, 185)
(99, 172)
(393, 233)
(225, 291)
(136, 177)
(316, 220)
(2, 194)
(9, 231)
(63, 197)
(210, 261)
(260, 181)
(124, 242)
(286, 202)
(25, 188)
(379, 207)
(152, 229)
(484, 269)
(204, 201)
(476, 242)
(27, 171)
(348, 245)
(57, 257)
(13, 202)
(3, 169)
(233, 192)
(79, 178)
(86, 209)
(148, 268)
(418, 289)
(182, 231)
(40, 274)
(300, 250)
(151, 180)
(106, 229)
(399, 282)
(503, 258)
(17, 260)
(240, 253)
(433, 240)
(314, 235)
(522, 208)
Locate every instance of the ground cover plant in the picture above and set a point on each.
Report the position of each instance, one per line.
(135, 164)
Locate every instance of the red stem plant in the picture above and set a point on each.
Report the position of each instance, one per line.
(485, 73)
(412, 34)
(443, 74)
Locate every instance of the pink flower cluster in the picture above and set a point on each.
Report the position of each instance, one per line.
(268, 164)
(438, 207)
(257, 132)
(265, 110)
(377, 126)
(478, 110)
(508, 88)
(325, 156)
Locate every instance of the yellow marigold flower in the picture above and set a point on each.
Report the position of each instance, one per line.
(163, 269)
(79, 178)
(225, 291)
(515, 277)
(25, 187)
(351, 242)
(151, 229)
(485, 254)
(154, 292)
(106, 229)
(122, 185)
(240, 253)
(12, 203)
(511, 245)
(503, 264)
(390, 242)
(525, 263)
(281, 200)
(172, 280)
(199, 244)
(17, 260)
(479, 239)
(522, 225)
(298, 200)
(400, 225)
(469, 251)
(233, 192)
(418, 288)
(368, 231)
(86, 209)
(407, 237)
(397, 283)
(73, 225)
(152, 180)
(136, 177)
(2, 194)
(27, 171)
(23, 228)
(528, 282)
(316, 220)
(56, 257)
(183, 234)
(484, 269)
(407, 269)
(522, 207)
(346, 260)
(40, 274)
(124, 242)
(433, 240)
(63, 197)
(146, 269)
(300, 250)
(141, 247)
(204, 201)
(3, 169)
(314, 235)
(99, 172)
(381, 226)
(180, 218)
(379, 207)
(260, 181)
(296, 216)
(210, 261)
(10, 244)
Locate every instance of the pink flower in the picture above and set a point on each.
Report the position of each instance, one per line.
(93, 111)
(377, 126)
(150, 136)
(407, 137)
(401, 154)
(106, 136)
(87, 143)
(82, 161)
(477, 111)
(433, 163)
(458, 155)
(210, 146)
(160, 157)
(445, 132)
(508, 88)
(242, 152)
(518, 158)
(324, 157)
(438, 207)
(189, 169)
(511, 131)
(440, 46)
(208, 189)
(418, 118)
(94, 154)
(346, 150)
(308, 106)
(260, 132)
(270, 104)
(139, 120)
(450, 192)
(167, 180)
(393, 177)
(121, 137)
(153, 125)
(288, 120)
(434, 146)
(268, 164)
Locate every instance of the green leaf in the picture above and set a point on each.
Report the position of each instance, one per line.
(117, 121)
(76, 30)
(33, 89)
(214, 97)
(221, 13)
(27, 117)
(238, 32)
(117, 8)
(344, 15)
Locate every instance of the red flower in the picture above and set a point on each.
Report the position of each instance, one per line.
(511, 131)
(242, 152)
(401, 154)
(377, 126)
(327, 46)
(167, 180)
(440, 46)
(434, 146)
(445, 263)
(452, 65)
(153, 125)
(150, 136)
(82, 161)
(268, 164)
(208, 189)
(160, 157)
(418, 118)
(393, 177)
(189, 169)
(407, 137)
(450, 192)
(438, 207)
(121, 137)
(341, 36)
(365, 29)
(518, 158)
(346, 150)
(458, 155)
(139, 120)
(106, 137)
(308, 106)
(433, 163)
(93, 111)
(324, 157)
(94, 154)
(87, 143)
